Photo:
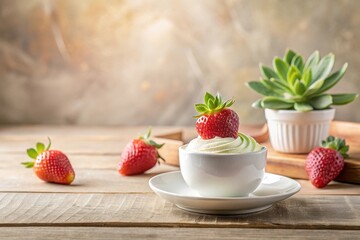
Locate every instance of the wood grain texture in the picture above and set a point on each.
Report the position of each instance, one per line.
(80, 144)
(103, 233)
(98, 174)
(148, 210)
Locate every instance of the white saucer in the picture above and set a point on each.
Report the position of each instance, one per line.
(172, 187)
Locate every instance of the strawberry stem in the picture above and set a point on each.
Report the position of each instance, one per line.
(212, 104)
(147, 140)
(338, 144)
(34, 152)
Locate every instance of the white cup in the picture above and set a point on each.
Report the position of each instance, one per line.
(222, 175)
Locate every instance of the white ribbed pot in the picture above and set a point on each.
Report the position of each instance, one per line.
(298, 132)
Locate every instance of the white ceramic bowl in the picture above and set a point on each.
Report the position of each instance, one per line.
(222, 175)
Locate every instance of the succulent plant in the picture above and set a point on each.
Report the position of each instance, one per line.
(297, 85)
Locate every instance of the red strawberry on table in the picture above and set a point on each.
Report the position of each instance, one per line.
(139, 155)
(215, 119)
(50, 165)
(324, 164)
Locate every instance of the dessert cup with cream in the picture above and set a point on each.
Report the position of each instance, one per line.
(223, 167)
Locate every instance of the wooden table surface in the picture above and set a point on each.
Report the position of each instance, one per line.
(101, 204)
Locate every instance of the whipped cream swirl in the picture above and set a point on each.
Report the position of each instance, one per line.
(241, 144)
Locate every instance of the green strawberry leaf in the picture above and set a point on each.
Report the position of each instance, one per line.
(32, 153)
(207, 97)
(337, 144)
(156, 145)
(321, 102)
(201, 108)
(49, 145)
(303, 107)
(40, 147)
(211, 104)
(229, 103)
(341, 99)
(28, 164)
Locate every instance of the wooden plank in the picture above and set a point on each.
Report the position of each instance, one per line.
(72, 145)
(169, 233)
(34, 132)
(148, 210)
(86, 180)
(98, 174)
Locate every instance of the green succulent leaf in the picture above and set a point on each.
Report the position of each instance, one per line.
(341, 99)
(303, 107)
(333, 79)
(281, 68)
(259, 87)
(306, 77)
(299, 87)
(321, 102)
(267, 72)
(312, 61)
(298, 62)
(293, 81)
(324, 67)
(281, 85)
(314, 87)
(293, 74)
(276, 103)
(257, 104)
(271, 85)
(289, 55)
(32, 153)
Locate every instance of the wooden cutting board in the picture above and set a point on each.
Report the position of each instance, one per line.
(291, 165)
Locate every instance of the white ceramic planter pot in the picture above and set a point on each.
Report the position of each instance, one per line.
(298, 132)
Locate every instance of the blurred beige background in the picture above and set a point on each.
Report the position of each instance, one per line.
(135, 62)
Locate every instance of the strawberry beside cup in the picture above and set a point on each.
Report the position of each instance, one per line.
(324, 164)
(139, 155)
